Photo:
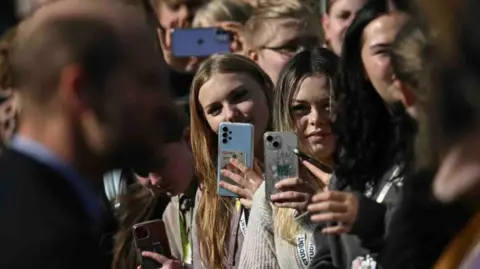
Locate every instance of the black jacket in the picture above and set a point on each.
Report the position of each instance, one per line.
(421, 227)
(42, 224)
(367, 236)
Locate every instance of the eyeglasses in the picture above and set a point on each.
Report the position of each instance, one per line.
(287, 50)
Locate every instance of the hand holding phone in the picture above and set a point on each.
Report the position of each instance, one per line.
(280, 162)
(236, 174)
(164, 262)
(166, 43)
(151, 236)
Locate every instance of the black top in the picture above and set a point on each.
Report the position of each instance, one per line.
(421, 227)
(368, 231)
(42, 224)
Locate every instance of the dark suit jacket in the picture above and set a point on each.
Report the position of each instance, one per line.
(42, 224)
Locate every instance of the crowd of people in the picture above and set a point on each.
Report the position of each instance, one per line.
(104, 127)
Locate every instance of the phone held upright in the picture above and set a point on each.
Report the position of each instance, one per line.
(151, 236)
(235, 140)
(280, 161)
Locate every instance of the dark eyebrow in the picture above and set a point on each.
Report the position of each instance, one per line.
(232, 92)
(380, 46)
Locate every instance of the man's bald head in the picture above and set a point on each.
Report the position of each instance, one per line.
(98, 36)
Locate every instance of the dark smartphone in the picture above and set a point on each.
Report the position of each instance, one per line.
(325, 168)
(151, 236)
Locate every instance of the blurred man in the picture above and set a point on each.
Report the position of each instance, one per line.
(91, 91)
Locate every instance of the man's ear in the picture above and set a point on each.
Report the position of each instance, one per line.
(325, 25)
(253, 55)
(70, 86)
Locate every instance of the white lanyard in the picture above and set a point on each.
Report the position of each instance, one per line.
(306, 251)
(383, 193)
(243, 220)
(243, 223)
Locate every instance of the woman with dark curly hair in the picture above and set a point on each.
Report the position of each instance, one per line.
(373, 135)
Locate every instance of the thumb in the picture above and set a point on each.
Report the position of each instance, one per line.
(155, 256)
(161, 37)
(324, 177)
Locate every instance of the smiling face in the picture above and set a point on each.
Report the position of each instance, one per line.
(311, 113)
(234, 97)
(377, 38)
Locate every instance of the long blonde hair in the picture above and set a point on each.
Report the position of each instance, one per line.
(214, 212)
(304, 64)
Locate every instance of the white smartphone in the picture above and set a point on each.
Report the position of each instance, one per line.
(235, 140)
(280, 160)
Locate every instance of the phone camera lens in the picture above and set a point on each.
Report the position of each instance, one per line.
(276, 144)
(225, 141)
(141, 233)
(225, 135)
(269, 138)
(225, 129)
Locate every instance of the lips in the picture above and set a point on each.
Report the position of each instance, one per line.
(319, 133)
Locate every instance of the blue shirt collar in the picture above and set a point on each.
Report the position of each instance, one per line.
(88, 197)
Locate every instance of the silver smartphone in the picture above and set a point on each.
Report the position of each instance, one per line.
(280, 161)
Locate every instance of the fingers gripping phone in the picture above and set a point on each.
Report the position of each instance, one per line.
(304, 157)
(280, 161)
(151, 236)
(200, 42)
(235, 140)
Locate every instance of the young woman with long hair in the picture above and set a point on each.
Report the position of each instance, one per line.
(373, 137)
(280, 228)
(226, 88)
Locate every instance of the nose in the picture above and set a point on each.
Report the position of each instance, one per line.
(315, 118)
(155, 179)
(231, 113)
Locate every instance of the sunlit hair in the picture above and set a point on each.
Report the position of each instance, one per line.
(259, 29)
(222, 10)
(318, 61)
(214, 212)
(408, 58)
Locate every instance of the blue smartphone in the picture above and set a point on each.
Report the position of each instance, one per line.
(199, 42)
(235, 140)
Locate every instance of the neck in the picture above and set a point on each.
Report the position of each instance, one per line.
(328, 161)
(59, 138)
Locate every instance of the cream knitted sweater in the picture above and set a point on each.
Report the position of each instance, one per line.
(263, 249)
